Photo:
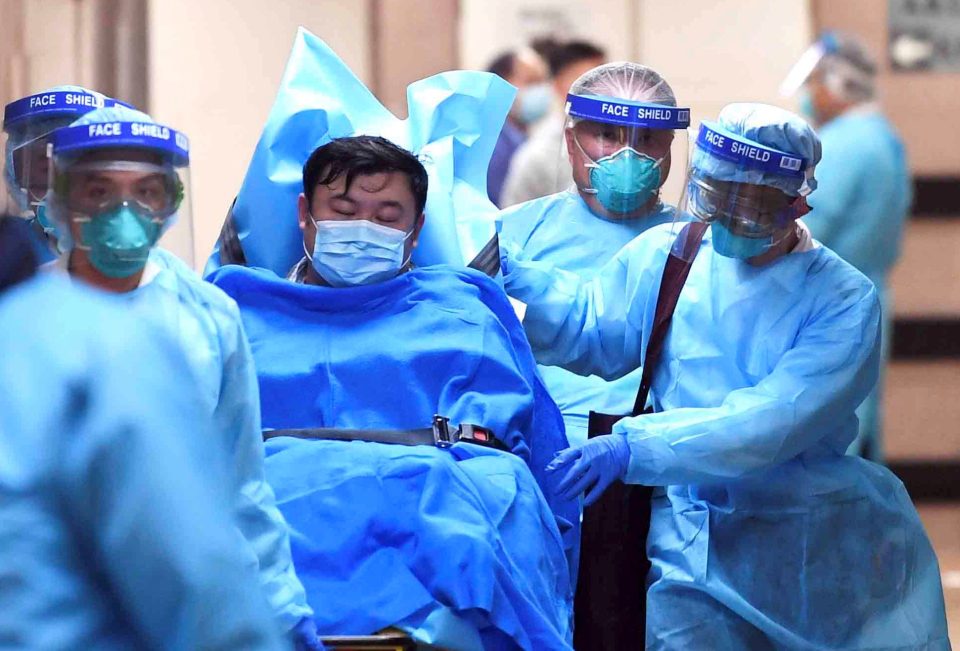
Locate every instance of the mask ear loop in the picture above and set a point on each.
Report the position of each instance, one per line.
(658, 162)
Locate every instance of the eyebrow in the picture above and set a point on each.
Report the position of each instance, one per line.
(387, 203)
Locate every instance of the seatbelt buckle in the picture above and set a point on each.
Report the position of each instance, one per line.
(476, 434)
(443, 436)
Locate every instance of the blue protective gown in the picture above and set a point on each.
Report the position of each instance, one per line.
(459, 547)
(112, 535)
(561, 230)
(210, 331)
(765, 535)
(860, 209)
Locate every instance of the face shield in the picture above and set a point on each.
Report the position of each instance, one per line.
(622, 153)
(116, 188)
(845, 67)
(27, 126)
(740, 188)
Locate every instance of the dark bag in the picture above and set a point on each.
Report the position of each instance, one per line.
(610, 602)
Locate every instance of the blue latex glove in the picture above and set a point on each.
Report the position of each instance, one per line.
(304, 636)
(591, 468)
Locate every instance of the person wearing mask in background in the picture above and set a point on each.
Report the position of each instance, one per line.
(618, 170)
(113, 535)
(118, 181)
(865, 192)
(27, 125)
(526, 70)
(540, 166)
(765, 534)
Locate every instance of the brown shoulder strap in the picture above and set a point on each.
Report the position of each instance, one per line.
(675, 274)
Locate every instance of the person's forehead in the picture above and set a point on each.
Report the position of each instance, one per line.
(528, 66)
(132, 155)
(379, 186)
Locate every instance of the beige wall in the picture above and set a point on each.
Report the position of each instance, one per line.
(924, 106)
(411, 40)
(722, 51)
(214, 68)
(489, 27)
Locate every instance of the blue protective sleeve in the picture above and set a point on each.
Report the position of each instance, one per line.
(260, 521)
(152, 513)
(831, 365)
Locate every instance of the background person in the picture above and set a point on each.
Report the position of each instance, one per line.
(527, 71)
(539, 167)
(863, 200)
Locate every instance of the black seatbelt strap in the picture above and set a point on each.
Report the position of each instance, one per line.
(231, 251)
(488, 259)
(441, 434)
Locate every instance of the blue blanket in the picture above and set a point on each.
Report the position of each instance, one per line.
(459, 546)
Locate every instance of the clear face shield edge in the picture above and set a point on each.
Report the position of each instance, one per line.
(28, 125)
(728, 187)
(116, 203)
(26, 170)
(623, 152)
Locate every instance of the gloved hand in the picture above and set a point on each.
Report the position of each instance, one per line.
(590, 469)
(304, 636)
(509, 251)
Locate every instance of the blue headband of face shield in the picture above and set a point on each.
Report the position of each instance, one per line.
(627, 113)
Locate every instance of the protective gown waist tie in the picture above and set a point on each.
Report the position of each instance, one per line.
(610, 602)
(441, 434)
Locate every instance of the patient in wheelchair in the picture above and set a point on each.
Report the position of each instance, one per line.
(466, 546)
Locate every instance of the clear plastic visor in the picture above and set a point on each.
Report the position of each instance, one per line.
(96, 185)
(26, 167)
(623, 166)
(744, 210)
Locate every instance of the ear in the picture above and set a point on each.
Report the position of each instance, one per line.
(417, 228)
(571, 145)
(303, 212)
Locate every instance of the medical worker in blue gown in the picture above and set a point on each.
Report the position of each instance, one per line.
(119, 180)
(621, 138)
(27, 125)
(863, 201)
(112, 534)
(457, 546)
(764, 535)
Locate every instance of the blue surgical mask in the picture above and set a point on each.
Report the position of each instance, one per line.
(625, 181)
(357, 252)
(119, 241)
(534, 102)
(729, 245)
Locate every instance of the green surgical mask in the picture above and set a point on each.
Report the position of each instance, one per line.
(625, 181)
(119, 241)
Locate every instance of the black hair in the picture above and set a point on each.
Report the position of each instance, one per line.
(503, 64)
(363, 155)
(567, 54)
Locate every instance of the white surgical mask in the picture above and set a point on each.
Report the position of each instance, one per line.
(357, 252)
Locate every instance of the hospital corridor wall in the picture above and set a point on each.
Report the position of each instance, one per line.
(211, 69)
